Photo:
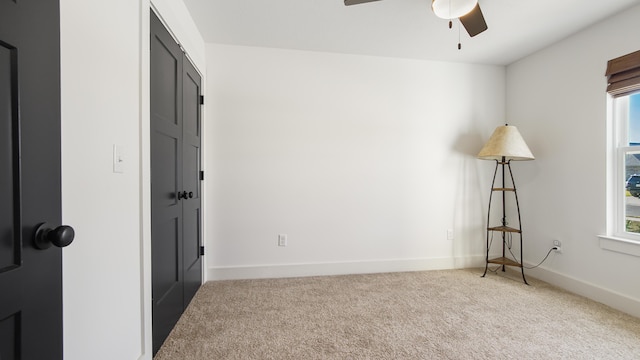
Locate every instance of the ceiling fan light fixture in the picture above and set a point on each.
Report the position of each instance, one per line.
(451, 9)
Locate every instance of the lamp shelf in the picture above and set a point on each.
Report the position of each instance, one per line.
(504, 229)
(503, 189)
(504, 261)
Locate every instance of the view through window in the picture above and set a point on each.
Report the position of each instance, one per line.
(629, 110)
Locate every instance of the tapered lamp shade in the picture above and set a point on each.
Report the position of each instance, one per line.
(506, 142)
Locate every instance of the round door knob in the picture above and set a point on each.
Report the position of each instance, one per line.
(182, 195)
(47, 235)
(190, 194)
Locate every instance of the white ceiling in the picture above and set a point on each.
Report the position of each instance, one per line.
(398, 28)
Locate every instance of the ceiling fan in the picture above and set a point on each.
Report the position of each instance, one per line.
(467, 11)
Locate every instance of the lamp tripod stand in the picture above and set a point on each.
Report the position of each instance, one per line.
(503, 228)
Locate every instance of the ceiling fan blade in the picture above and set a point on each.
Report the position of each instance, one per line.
(473, 22)
(354, 2)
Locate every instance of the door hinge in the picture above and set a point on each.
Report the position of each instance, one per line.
(201, 175)
(201, 250)
(201, 99)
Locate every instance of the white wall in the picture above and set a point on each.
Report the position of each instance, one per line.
(363, 162)
(105, 101)
(557, 97)
(100, 107)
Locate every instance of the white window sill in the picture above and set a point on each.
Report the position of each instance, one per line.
(620, 245)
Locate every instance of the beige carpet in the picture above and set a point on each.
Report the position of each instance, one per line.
(452, 314)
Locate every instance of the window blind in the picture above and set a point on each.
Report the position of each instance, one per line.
(623, 74)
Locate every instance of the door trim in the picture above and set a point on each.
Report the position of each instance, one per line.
(145, 180)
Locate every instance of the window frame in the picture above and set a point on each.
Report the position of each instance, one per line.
(617, 238)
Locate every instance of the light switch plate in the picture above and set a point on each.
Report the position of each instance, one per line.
(282, 239)
(118, 159)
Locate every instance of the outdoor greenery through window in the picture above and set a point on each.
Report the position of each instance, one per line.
(627, 114)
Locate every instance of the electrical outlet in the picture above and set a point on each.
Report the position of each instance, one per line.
(558, 246)
(282, 239)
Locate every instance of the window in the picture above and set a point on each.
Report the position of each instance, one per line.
(626, 116)
(623, 190)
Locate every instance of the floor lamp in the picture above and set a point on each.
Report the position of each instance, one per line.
(504, 145)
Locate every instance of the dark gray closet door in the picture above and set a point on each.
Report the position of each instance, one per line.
(175, 186)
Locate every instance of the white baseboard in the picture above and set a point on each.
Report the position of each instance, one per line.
(341, 268)
(594, 292)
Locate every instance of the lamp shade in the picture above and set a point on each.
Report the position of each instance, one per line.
(451, 9)
(506, 142)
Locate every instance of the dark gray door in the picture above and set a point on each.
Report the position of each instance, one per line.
(191, 205)
(175, 185)
(30, 273)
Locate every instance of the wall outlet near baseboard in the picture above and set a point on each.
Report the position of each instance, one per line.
(557, 246)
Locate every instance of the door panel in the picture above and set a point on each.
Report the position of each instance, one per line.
(191, 92)
(30, 278)
(192, 168)
(191, 180)
(166, 183)
(167, 276)
(165, 79)
(165, 177)
(191, 250)
(10, 239)
(9, 326)
(175, 185)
